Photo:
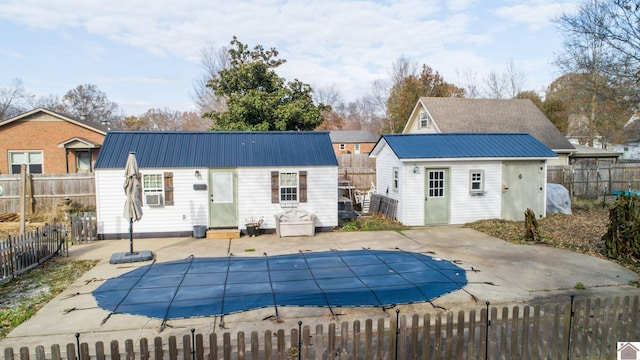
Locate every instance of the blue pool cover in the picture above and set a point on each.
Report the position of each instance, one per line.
(197, 287)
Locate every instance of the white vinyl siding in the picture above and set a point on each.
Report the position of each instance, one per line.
(463, 207)
(254, 194)
(190, 206)
(414, 124)
(386, 161)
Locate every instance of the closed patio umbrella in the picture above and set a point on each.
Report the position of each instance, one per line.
(133, 192)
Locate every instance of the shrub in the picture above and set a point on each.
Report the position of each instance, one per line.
(622, 239)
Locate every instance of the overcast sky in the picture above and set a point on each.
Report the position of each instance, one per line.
(146, 53)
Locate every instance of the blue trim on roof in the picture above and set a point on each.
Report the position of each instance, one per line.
(466, 145)
(185, 149)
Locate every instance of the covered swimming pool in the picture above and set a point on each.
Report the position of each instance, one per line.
(197, 287)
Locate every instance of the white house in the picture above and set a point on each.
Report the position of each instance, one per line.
(455, 178)
(446, 115)
(216, 179)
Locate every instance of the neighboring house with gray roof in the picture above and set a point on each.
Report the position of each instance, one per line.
(353, 141)
(219, 180)
(446, 115)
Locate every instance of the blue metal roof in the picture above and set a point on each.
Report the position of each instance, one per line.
(466, 145)
(184, 149)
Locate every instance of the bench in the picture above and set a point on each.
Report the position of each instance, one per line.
(295, 222)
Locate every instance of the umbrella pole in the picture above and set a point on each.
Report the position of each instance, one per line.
(131, 236)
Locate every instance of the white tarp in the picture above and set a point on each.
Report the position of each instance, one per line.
(558, 200)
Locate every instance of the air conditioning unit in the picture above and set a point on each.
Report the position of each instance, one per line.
(154, 199)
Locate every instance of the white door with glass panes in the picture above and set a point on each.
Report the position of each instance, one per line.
(223, 205)
(436, 201)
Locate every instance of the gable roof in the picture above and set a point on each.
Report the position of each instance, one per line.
(183, 149)
(464, 145)
(78, 142)
(99, 128)
(353, 136)
(493, 115)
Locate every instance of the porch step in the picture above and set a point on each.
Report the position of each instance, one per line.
(223, 234)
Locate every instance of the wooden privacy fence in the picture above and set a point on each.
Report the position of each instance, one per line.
(359, 169)
(580, 329)
(21, 253)
(592, 182)
(47, 191)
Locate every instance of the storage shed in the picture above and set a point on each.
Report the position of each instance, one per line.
(455, 178)
(220, 180)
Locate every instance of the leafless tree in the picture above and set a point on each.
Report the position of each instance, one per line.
(470, 84)
(212, 60)
(507, 84)
(14, 99)
(403, 68)
(89, 103)
(595, 58)
(327, 95)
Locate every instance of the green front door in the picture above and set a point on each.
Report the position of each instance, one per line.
(436, 201)
(223, 204)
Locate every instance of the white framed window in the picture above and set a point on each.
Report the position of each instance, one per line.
(476, 181)
(152, 185)
(436, 184)
(424, 119)
(33, 160)
(396, 178)
(356, 148)
(342, 147)
(288, 187)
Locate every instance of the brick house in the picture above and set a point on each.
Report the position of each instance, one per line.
(49, 143)
(353, 141)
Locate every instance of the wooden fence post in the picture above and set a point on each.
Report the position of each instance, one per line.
(158, 350)
(518, 332)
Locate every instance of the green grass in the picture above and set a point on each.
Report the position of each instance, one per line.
(23, 296)
(580, 286)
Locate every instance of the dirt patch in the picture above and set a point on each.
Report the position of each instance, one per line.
(581, 232)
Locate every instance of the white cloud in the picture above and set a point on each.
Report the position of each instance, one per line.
(349, 43)
(535, 14)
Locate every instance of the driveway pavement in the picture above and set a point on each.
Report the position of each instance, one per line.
(499, 272)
